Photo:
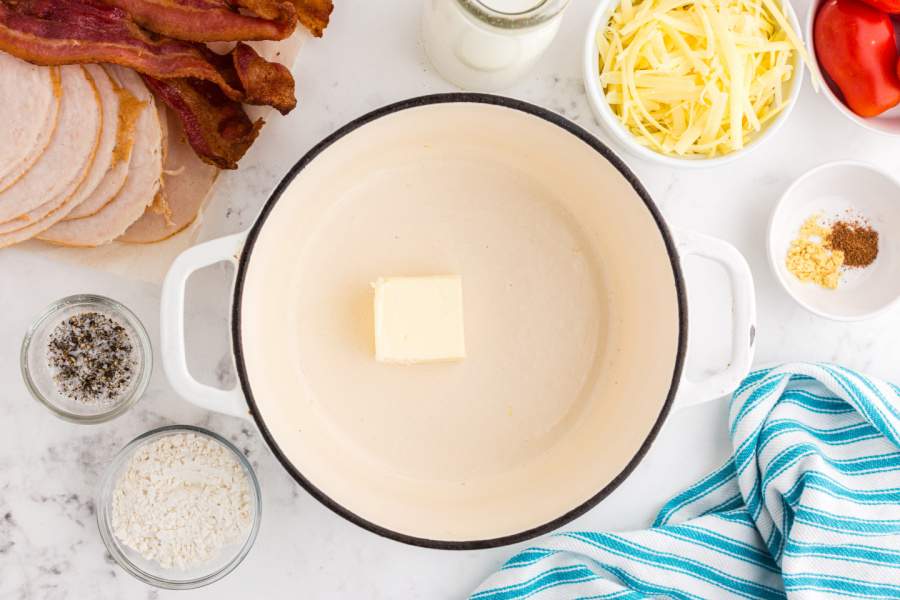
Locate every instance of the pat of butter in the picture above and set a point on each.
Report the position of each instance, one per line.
(419, 319)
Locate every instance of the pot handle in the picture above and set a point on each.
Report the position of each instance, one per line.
(743, 332)
(174, 356)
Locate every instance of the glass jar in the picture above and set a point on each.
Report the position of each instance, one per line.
(488, 44)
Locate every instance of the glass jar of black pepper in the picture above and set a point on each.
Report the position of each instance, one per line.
(87, 358)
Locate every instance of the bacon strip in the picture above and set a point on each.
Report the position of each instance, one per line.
(216, 127)
(258, 77)
(211, 20)
(314, 14)
(267, 9)
(58, 32)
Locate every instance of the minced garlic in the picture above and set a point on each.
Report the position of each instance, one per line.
(809, 257)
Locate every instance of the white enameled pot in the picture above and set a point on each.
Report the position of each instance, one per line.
(575, 317)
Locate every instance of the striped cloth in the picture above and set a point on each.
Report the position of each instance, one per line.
(807, 507)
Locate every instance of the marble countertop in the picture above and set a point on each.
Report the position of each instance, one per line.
(49, 469)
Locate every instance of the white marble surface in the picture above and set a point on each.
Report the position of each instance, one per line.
(49, 469)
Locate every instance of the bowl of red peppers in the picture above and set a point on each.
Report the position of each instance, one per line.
(855, 45)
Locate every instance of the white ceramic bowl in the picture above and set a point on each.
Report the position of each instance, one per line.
(611, 123)
(831, 189)
(887, 123)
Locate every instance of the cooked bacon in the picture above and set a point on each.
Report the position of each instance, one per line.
(211, 20)
(216, 127)
(58, 32)
(314, 14)
(267, 9)
(257, 76)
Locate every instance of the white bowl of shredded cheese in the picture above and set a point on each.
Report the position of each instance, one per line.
(693, 83)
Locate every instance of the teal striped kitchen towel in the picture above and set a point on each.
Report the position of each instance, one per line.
(808, 506)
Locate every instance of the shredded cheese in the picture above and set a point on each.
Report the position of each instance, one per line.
(697, 78)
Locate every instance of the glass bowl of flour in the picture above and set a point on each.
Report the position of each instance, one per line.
(179, 507)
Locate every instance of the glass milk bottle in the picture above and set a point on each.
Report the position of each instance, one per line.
(488, 44)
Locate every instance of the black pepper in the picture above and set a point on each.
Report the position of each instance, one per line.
(91, 358)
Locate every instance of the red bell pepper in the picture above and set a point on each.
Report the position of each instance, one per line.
(856, 48)
(888, 6)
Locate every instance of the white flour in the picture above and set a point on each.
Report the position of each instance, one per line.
(181, 500)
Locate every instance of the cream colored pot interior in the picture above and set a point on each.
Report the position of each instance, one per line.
(571, 322)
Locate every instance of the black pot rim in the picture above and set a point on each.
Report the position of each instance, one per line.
(419, 101)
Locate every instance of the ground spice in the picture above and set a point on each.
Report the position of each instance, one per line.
(810, 258)
(91, 357)
(857, 241)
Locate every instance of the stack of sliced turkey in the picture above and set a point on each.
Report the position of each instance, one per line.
(81, 156)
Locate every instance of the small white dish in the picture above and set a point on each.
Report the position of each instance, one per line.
(832, 190)
(887, 123)
(611, 123)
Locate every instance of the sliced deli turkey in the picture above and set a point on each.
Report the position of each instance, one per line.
(29, 106)
(59, 173)
(142, 183)
(125, 109)
(69, 154)
(100, 165)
